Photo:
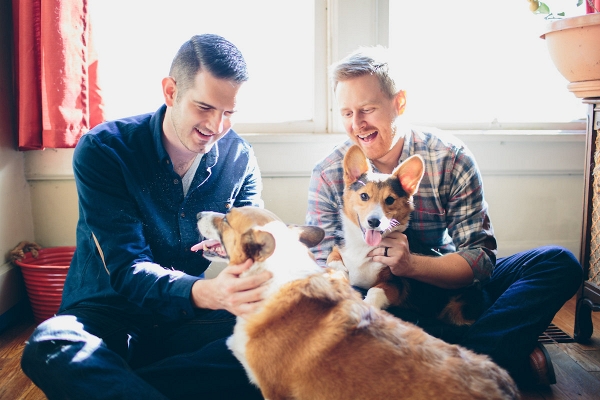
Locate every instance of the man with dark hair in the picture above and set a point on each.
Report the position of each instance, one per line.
(137, 319)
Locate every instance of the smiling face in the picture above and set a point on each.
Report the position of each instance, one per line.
(199, 116)
(369, 117)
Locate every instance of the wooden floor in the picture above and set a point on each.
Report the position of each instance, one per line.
(577, 366)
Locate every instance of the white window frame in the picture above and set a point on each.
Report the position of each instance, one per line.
(340, 27)
(354, 23)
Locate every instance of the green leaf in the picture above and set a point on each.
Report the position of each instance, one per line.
(561, 14)
(579, 2)
(543, 9)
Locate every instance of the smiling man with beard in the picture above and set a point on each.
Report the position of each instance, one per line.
(450, 241)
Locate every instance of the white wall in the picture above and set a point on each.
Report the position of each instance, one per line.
(16, 222)
(533, 184)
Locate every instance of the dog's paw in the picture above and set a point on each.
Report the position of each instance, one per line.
(376, 297)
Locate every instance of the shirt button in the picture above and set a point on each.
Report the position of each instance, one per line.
(175, 181)
(182, 215)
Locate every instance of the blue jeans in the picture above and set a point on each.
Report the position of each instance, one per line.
(92, 353)
(524, 293)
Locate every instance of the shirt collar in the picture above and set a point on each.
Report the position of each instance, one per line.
(406, 146)
(157, 130)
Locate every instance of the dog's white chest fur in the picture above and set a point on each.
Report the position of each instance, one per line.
(237, 344)
(362, 270)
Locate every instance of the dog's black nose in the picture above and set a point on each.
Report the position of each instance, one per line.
(373, 222)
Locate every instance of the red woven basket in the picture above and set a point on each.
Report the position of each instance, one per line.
(44, 278)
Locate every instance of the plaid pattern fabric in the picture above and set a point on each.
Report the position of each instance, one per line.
(450, 214)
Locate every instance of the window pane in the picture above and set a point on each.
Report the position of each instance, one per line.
(136, 41)
(479, 61)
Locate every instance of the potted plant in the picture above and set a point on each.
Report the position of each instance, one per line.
(574, 46)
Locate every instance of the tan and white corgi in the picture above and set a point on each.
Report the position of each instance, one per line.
(375, 205)
(315, 339)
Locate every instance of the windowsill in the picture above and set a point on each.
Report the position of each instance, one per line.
(295, 154)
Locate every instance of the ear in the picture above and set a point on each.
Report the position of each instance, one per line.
(169, 88)
(400, 102)
(410, 173)
(355, 164)
(308, 235)
(258, 245)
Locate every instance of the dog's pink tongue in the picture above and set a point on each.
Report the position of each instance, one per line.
(204, 244)
(372, 237)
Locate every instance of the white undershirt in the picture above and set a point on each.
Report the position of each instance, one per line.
(186, 181)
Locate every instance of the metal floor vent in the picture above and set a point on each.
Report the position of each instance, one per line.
(554, 335)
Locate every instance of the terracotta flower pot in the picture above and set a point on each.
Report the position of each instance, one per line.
(574, 47)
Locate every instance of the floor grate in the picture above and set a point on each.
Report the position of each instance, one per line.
(554, 335)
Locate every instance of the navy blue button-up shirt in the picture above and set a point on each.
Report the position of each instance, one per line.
(136, 227)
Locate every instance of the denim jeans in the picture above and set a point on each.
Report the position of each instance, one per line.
(524, 293)
(93, 354)
(90, 353)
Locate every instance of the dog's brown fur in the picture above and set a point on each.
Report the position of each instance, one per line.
(314, 338)
(388, 200)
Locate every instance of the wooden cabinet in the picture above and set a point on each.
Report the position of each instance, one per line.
(588, 298)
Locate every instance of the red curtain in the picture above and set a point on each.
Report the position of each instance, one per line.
(592, 8)
(58, 98)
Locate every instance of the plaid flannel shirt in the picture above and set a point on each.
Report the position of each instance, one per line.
(451, 214)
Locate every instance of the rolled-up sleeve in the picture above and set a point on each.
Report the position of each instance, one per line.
(468, 219)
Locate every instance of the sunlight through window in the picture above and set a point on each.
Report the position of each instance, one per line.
(136, 42)
(479, 62)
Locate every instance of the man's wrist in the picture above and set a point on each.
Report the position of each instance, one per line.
(197, 294)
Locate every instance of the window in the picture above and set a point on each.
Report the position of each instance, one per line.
(136, 42)
(480, 64)
(470, 64)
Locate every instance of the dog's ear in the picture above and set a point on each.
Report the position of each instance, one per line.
(258, 245)
(410, 173)
(308, 235)
(355, 164)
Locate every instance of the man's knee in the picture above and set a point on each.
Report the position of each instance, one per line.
(565, 266)
(53, 345)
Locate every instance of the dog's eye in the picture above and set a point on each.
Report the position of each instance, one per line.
(389, 200)
(364, 196)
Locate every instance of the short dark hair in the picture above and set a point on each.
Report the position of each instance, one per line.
(209, 52)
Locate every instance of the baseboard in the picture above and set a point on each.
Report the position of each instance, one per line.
(19, 312)
(508, 248)
(12, 288)
(14, 303)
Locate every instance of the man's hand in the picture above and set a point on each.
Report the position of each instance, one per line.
(449, 271)
(398, 257)
(228, 291)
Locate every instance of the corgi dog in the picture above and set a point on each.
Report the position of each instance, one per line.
(313, 337)
(375, 205)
